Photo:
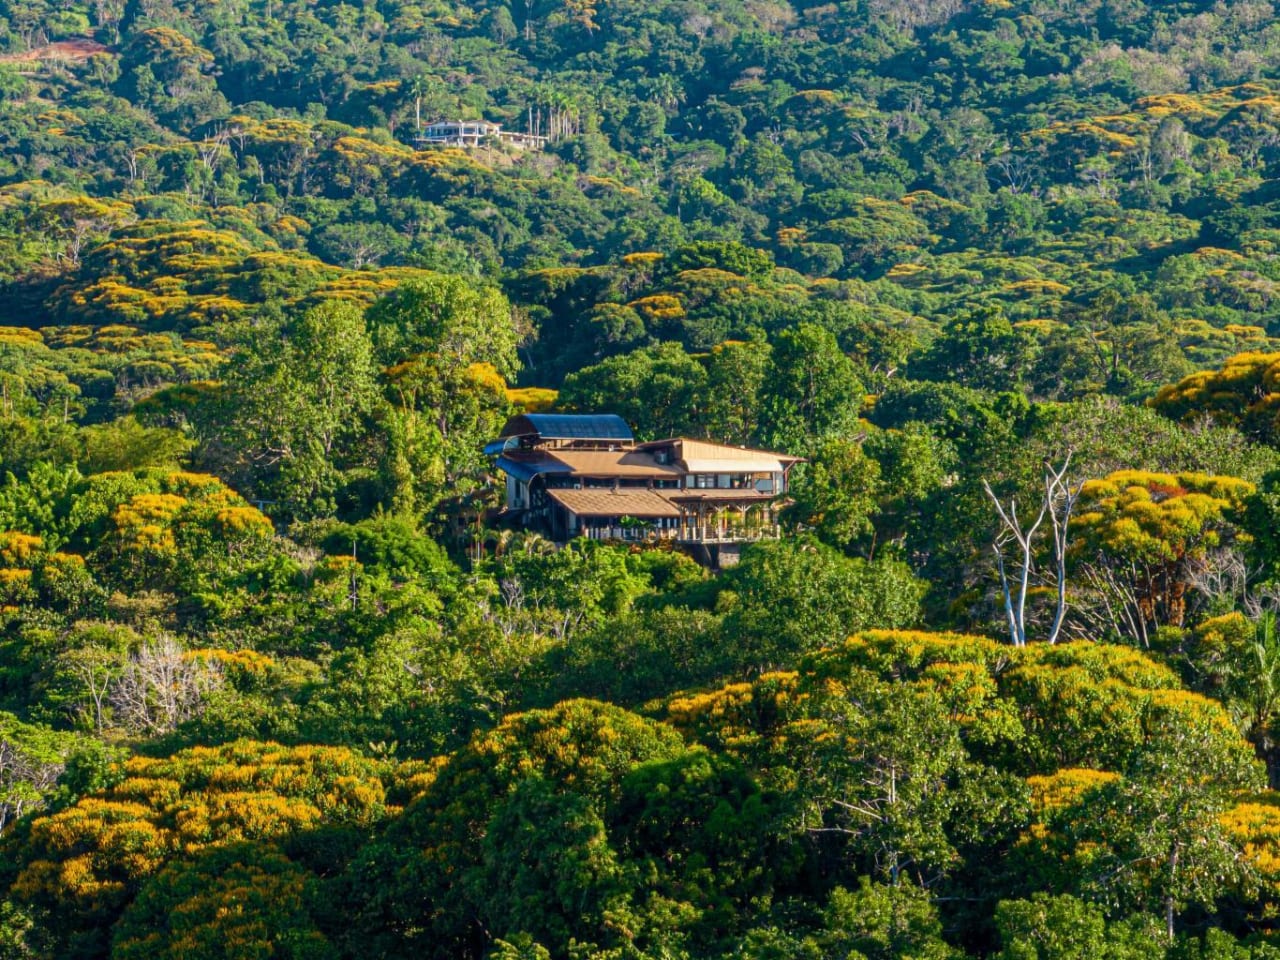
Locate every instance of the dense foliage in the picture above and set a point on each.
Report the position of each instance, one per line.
(276, 682)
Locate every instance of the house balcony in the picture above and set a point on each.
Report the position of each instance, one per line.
(711, 533)
(685, 534)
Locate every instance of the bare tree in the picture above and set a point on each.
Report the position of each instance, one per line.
(95, 668)
(1262, 599)
(509, 616)
(1099, 173)
(161, 686)
(1056, 505)
(1017, 172)
(698, 24)
(1062, 496)
(1221, 579)
(1111, 604)
(25, 779)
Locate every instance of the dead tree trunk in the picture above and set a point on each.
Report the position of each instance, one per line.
(1056, 505)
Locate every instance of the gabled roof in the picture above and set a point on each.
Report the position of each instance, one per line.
(569, 426)
(615, 503)
(703, 456)
(710, 450)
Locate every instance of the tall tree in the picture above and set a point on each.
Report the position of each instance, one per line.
(295, 402)
(659, 390)
(811, 392)
(445, 315)
(979, 349)
(835, 494)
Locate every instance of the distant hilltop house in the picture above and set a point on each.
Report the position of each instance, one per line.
(476, 133)
(585, 476)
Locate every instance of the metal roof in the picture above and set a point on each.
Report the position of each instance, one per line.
(526, 470)
(570, 426)
(495, 447)
(586, 463)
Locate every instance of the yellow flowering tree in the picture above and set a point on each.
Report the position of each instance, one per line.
(1243, 392)
(1141, 540)
(85, 864)
(242, 901)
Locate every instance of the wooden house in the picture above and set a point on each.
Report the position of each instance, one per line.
(573, 475)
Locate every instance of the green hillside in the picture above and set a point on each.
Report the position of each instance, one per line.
(278, 678)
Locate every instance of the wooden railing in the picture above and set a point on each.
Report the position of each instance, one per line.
(727, 533)
(686, 533)
(627, 534)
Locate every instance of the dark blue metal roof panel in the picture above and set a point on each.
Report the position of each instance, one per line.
(495, 447)
(526, 471)
(570, 426)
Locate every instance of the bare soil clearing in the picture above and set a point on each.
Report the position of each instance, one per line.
(79, 49)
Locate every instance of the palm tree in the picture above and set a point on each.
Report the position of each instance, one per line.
(477, 539)
(535, 544)
(1255, 691)
(420, 86)
(501, 540)
(665, 91)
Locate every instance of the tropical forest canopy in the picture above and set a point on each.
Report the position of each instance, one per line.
(274, 681)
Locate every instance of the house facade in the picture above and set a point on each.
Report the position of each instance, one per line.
(475, 133)
(573, 475)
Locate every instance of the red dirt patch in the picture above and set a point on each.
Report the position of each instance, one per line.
(79, 49)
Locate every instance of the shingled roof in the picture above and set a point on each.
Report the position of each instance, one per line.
(615, 503)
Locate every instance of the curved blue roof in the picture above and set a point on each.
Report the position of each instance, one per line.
(495, 447)
(570, 426)
(523, 470)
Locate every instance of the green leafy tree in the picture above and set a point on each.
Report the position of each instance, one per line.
(295, 404)
(1125, 344)
(441, 418)
(736, 258)
(835, 494)
(890, 777)
(788, 598)
(562, 766)
(980, 349)
(736, 373)
(878, 922)
(456, 321)
(1048, 927)
(1162, 844)
(659, 390)
(32, 759)
(811, 392)
(914, 469)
